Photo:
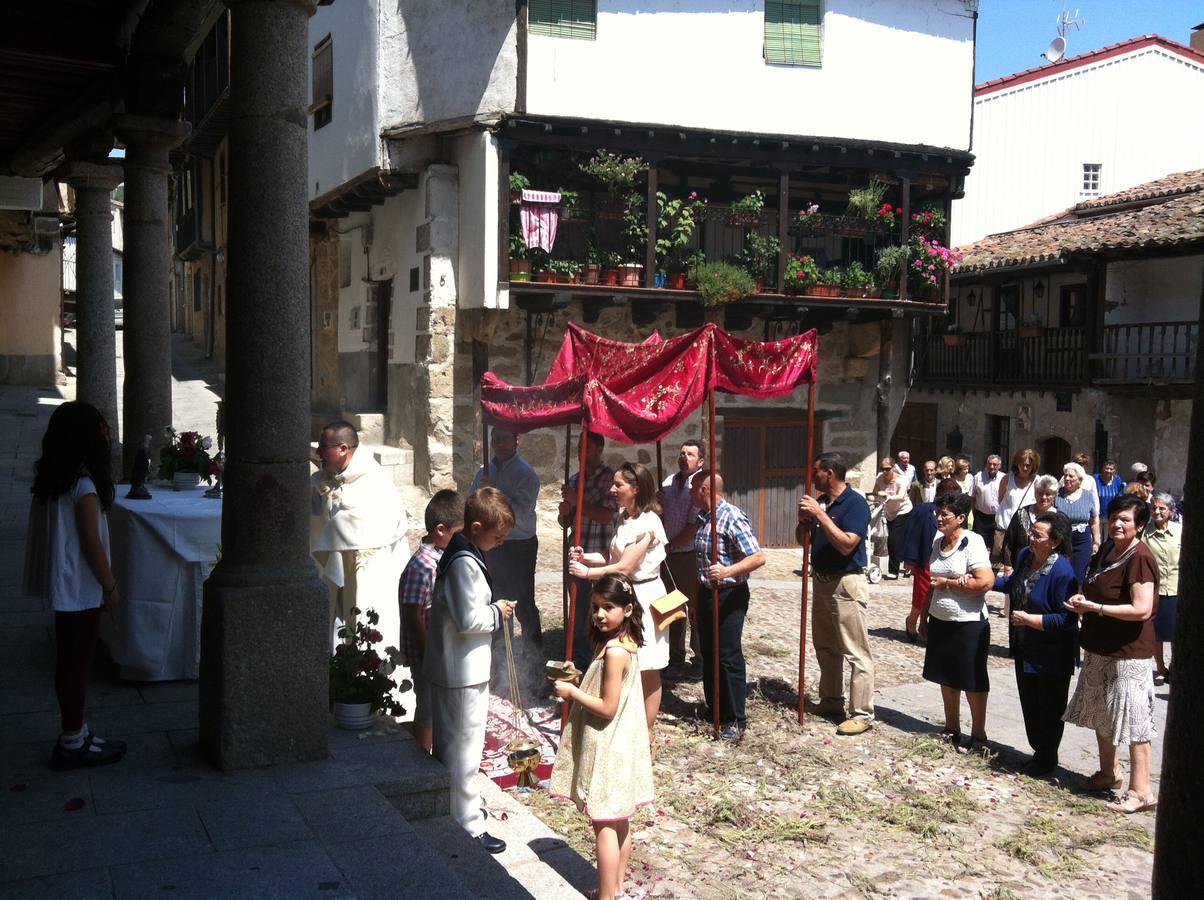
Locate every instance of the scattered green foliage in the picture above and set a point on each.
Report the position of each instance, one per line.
(721, 282)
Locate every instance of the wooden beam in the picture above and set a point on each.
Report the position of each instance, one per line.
(783, 220)
(650, 220)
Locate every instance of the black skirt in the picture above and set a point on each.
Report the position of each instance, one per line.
(956, 654)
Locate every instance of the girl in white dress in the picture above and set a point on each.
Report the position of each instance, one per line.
(637, 551)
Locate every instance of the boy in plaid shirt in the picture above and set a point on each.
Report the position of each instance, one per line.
(444, 517)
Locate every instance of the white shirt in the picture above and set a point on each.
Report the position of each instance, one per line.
(986, 492)
(1014, 499)
(1090, 487)
(967, 484)
(72, 586)
(907, 476)
(954, 604)
(629, 531)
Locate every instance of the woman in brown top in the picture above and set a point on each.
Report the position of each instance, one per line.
(1115, 692)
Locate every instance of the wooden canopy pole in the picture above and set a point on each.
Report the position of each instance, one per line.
(714, 561)
(808, 470)
(660, 471)
(564, 530)
(485, 448)
(571, 620)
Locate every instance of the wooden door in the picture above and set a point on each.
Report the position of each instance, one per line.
(764, 462)
(915, 432)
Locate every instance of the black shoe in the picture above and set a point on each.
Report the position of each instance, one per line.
(732, 733)
(490, 843)
(117, 745)
(1039, 768)
(84, 756)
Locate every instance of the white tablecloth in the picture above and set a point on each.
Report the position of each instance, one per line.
(163, 550)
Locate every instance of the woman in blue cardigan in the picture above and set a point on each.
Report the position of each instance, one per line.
(1044, 634)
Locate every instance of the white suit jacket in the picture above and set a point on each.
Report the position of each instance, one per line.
(462, 621)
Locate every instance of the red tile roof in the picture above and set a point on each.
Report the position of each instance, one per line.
(1164, 213)
(1084, 59)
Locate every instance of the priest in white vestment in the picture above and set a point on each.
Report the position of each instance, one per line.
(357, 533)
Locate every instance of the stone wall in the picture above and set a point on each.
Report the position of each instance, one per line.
(30, 295)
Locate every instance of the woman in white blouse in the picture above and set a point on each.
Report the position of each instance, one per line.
(891, 490)
(637, 551)
(955, 619)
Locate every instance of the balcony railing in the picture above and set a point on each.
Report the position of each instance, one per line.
(1053, 357)
(1146, 353)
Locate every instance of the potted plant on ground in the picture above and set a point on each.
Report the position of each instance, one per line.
(746, 212)
(539, 265)
(720, 282)
(518, 184)
(594, 256)
(801, 274)
(676, 222)
(565, 270)
(827, 283)
(358, 687)
(891, 263)
(855, 281)
(520, 265)
(611, 261)
(759, 258)
(635, 241)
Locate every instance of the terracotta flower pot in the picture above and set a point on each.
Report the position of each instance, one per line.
(954, 340)
(591, 273)
(631, 275)
(610, 276)
(760, 285)
(545, 278)
(519, 265)
(1031, 331)
(677, 281)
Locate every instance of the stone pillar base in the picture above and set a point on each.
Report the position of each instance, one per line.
(260, 708)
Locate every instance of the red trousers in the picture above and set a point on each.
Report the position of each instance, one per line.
(921, 587)
(75, 635)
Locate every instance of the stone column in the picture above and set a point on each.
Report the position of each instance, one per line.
(265, 643)
(95, 332)
(146, 394)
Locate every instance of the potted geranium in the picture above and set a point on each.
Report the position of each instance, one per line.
(720, 282)
(801, 273)
(809, 219)
(929, 220)
(827, 283)
(358, 685)
(184, 458)
(746, 212)
(759, 258)
(930, 260)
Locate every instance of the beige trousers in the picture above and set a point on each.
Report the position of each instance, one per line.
(839, 634)
(683, 569)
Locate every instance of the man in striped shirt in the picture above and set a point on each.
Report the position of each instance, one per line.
(738, 555)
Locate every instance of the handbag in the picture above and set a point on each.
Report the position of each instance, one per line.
(668, 609)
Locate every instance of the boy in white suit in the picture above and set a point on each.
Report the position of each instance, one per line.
(458, 655)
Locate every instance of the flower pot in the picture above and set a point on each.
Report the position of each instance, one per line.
(520, 276)
(760, 285)
(1031, 331)
(182, 481)
(610, 276)
(677, 281)
(519, 265)
(563, 278)
(889, 295)
(592, 272)
(631, 275)
(659, 280)
(545, 278)
(743, 219)
(954, 340)
(353, 716)
(873, 293)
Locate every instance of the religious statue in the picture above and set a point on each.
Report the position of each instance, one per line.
(215, 492)
(139, 472)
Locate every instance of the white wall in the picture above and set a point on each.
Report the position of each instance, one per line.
(1138, 115)
(895, 70)
(350, 144)
(445, 60)
(476, 158)
(1155, 290)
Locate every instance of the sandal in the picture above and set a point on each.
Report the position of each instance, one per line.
(1100, 781)
(1133, 802)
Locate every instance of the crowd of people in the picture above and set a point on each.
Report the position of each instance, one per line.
(1088, 566)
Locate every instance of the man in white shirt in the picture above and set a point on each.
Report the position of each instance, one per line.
(985, 497)
(907, 472)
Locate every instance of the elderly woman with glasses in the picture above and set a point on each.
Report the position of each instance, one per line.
(1078, 506)
(1015, 539)
(1044, 634)
(954, 619)
(1164, 536)
(1115, 692)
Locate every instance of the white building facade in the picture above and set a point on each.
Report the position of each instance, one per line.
(1049, 138)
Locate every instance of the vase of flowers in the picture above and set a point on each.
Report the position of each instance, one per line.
(184, 458)
(359, 687)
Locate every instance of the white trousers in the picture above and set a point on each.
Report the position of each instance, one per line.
(458, 723)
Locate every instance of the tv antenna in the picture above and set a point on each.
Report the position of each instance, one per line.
(1065, 21)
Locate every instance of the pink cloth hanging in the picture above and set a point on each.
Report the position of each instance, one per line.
(540, 215)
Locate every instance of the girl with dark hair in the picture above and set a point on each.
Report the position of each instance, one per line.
(637, 550)
(604, 764)
(1044, 634)
(67, 563)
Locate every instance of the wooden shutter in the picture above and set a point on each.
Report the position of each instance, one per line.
(323, 83)
(563, 18)
(793, 35)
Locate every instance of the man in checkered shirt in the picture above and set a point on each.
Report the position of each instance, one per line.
(444, 517)
(738, 555)
(597, 528)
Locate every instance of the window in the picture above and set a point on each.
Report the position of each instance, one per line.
(323, 83)
(1091, 173)
(563, 18)
(793, 33)
(1072, 305)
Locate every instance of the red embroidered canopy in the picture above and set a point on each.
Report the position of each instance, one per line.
(639, 393)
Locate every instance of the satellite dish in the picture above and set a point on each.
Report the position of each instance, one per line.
(1056, 49)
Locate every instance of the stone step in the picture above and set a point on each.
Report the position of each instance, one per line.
(371, 426)
(537, 862)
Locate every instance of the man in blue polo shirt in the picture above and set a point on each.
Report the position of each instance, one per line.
(839, 594)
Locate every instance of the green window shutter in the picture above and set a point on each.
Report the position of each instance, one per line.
(793, 35)
(563, 18)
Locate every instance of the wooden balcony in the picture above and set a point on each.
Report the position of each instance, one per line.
(1059, 358)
